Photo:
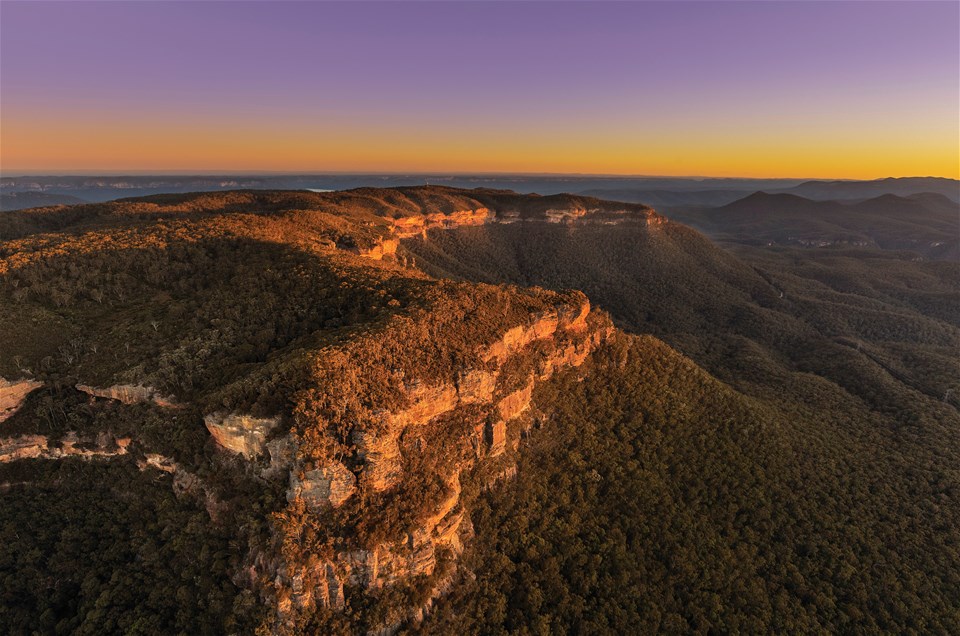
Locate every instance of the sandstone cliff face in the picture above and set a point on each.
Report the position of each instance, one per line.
(22, 447)
(385, 247)
(419, 224)
(515, 403)
(240, 433)
(567, 214)
(379, 449)
(12, 395)
(543, 345)
(128, 394)
(324, 487)
(546, 325)
(71, 445)
(158, 462)
(414, 225)
(409, 226)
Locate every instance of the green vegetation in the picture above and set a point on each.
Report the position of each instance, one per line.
(924, 223)
(101, 548)
(874, 322)
(658, 500)
(795, 472)
(815, 491)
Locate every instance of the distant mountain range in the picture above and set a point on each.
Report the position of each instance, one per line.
(818, 190)
(926, 223)
(905, 186)
(663, 192)
(29, 199)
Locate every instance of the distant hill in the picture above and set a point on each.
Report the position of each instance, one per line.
(656, 191)
(926, 223)
(105, 187)
(717, 192)
(405, 206)
(669, 198)
(22, 200)
(904, 186)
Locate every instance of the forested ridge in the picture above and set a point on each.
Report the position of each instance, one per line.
(658, 500)
(769, 443)
(824, 501)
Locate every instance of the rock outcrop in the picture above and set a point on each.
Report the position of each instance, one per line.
(572, 318)
(324, 487)
(13, 393)
(22, 447)
(418, 225)
(70, 445)
(158, 462)
(488, 395)
(380, 453)
(515, 403)
(128, 394)
(378, 449)
(240, 433)
(384, 247)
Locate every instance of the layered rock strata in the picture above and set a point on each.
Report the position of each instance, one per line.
(239, 433)
(128, 394)
(547, 343)
(420, 224)
(70, 445)
(12, 395)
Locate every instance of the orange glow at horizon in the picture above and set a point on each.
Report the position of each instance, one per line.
(724, 89)
(40, 145)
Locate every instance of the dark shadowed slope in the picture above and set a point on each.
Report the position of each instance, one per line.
(743, 318)
(902, 186)
(636, 517)
(671, 198)
(717, 192)
(926, 223)
(20, 200)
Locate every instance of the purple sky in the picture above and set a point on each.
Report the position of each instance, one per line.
(418, 85)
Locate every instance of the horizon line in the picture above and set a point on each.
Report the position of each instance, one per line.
(377, 173)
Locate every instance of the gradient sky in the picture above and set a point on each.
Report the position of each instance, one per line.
(806, 89)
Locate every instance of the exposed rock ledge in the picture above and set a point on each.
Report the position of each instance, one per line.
(159, 462)
(418, 225)
(330, 485)
(128, 394)
(240, 433)
(378, 448)
(12, 395)
(408, 226)
(386, 247)
(314, 580)
(38, 447)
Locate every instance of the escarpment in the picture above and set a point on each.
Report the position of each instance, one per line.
(128, 394)
(337, 405)
(13, 393)
(70, 445)
(387, 488)
(414, 218)
(240, 433)
(419, 224)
